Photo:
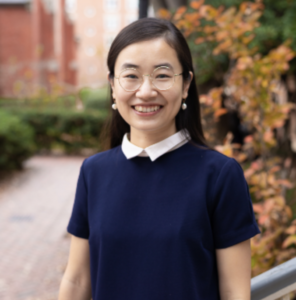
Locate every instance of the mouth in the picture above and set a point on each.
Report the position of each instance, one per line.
(147, 109)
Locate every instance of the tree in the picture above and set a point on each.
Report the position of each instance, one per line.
(250, 86)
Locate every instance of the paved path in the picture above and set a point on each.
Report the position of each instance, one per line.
(35, 209)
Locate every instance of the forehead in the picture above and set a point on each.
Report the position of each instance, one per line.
(148, 55)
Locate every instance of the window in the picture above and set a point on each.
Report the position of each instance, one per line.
(130, 18)
(132, 5)
(112, 22)
(111, 4)
(70, 7)
(92, 70)
(108, 39)
(90, 32)
(90, 12)
(90, 51)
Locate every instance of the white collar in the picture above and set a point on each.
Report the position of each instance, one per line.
(156, 150)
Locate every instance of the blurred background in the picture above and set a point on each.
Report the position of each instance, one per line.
(54, 101)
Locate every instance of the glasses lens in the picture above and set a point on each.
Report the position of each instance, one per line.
(130, 80)
(163, 78)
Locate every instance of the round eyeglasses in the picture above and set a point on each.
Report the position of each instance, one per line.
(162, 78)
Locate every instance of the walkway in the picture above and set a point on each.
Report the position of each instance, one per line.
(34, 211)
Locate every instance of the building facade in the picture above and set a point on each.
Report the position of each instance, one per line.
(37, 45)
(97, 22)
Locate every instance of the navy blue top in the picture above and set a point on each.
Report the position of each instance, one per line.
(153, 227)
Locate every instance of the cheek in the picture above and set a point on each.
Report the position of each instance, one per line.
(175, 98)
(123, 101)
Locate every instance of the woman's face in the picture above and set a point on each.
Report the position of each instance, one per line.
(148, 109)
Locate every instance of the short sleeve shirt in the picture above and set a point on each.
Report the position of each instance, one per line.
(153, 227)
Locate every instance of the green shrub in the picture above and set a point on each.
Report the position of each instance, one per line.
(69, 130)
(94, 98)
(16, 142)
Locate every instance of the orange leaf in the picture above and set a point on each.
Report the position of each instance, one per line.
(241, 157)
(229, 13)
(262, 219)
(289, 211)
(257, 208)
(180, 11)
(225, 45)
(279, 200)
(248, 139)
(227, 151)
(200, 40)
(192, 17)
(209, 29)
(210, 38)
(285, 183)
(249, 172)
(197, 4)
(268, 136)
(291, 230)
(208, 12)
(216, 51)
(248, 39)
(221, 8)
(221, 35)
(244, 62)
(164, 14)
(289, 241)
(279, 123)
(220, 112)
(274, 169)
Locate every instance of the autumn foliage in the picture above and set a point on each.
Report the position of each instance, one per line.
(251, 87)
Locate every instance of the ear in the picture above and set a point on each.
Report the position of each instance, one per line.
(111, 81)
(186, 85)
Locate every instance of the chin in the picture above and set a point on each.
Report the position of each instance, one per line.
(147, 128)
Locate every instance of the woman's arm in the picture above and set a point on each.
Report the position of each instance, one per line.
(234, 271)
(76, 284)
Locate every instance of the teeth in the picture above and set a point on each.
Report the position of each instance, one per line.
(147, 109)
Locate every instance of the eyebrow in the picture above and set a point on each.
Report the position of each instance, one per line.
(129, 65)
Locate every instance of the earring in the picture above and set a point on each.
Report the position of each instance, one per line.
(114, 106)
(184, 105)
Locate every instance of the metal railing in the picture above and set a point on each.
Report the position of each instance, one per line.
(276, 283)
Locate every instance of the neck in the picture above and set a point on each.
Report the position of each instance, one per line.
(144, 139)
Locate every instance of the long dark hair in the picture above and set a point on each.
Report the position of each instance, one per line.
(148, 29)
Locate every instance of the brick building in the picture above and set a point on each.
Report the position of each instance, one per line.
(97, 22)
(36, 45)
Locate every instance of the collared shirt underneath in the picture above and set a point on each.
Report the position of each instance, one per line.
(156, 150)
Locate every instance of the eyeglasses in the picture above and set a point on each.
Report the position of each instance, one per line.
(163, 78)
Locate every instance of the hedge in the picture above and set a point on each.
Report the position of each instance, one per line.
(72, 131)
(16, 141)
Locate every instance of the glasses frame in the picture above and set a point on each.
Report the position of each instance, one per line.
(150, 76)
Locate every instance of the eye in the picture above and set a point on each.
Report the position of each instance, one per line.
(162, 76)
(131, 76)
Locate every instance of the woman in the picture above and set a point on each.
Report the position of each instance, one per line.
(159, 215)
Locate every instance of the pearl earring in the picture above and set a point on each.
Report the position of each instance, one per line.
(114, 106)
(184, 106)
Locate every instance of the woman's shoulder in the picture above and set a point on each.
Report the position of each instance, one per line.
(103, 158)
(208, 157)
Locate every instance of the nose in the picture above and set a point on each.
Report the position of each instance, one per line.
(147, 90)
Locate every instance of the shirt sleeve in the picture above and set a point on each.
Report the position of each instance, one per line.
(233, 216)
(78, 224)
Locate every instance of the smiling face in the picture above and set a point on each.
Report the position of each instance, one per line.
(147, 109)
